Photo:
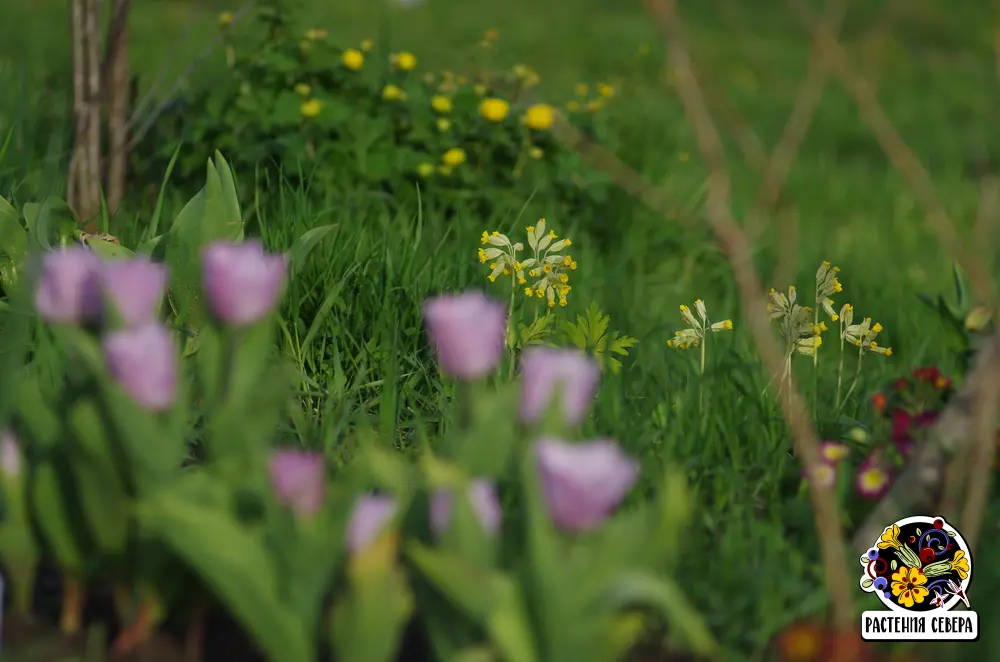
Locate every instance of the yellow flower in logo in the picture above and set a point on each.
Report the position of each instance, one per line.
(890, 538)
(960, 564)
(908, 586)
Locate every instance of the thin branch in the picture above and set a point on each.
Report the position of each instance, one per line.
(899, 153)
(751, 292)
(147, 124)
(807, 100)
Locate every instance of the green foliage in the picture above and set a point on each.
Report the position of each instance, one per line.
(591, 334)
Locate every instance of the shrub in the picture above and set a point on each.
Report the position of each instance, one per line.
(338, 119)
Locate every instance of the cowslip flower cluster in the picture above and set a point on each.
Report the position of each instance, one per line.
(75, 286)
(543, 275)
(698, 328)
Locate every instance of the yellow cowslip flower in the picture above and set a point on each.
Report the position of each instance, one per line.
(225, 18)
(366, 45)
(494, 109)
(582, 89)
(404, 61)
(454, 157)
(539, 117)
(311, 108)
(393, 93)
(353, 59)
(441, 103)
(302, 89)
(425, 169)
(535, 152)
(443, 124)
(605, 90)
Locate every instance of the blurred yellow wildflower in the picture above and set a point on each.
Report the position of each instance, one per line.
(479, 89)
(605, 90)
(302, 89)
(353, 59)
(535, 152)
(539, 117)
(425, 169)
(225, 18)
(441, 103)
(311, 108)
(404, 61)
(454, 157)
(582, 89)
(698, 327)
(366, 45)
(443, 124)
(573, 106)
(494, 109)
(314, 34)
(393, 93)
(491, 35)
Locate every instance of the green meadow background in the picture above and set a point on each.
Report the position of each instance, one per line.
(751, 562)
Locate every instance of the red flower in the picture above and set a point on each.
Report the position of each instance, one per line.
(803, 641)
(901, 422)
(879, 402)
(925, 419)
(901, 384)
(927, 374)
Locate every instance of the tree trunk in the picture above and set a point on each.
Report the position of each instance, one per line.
(119, 89)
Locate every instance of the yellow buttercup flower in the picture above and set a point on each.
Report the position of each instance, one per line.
(443, 124)
(539, 117)
(311, 108)
(494, 109)
(425, 169)
(404, 61)
(225, 18)
(605, 90)
(535, 152)
(353, 59)
(441, 103)
(366, 45)
(393, 93)
(908, 585)
(454, 157)
(302, 89)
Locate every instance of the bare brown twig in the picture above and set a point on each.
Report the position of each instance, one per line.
(899, 153)
(719, 213)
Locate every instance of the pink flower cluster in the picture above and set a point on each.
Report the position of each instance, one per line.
(241, 282)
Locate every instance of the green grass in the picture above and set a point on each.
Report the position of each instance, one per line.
(353, 312)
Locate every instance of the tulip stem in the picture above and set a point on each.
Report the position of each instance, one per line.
(72, 606)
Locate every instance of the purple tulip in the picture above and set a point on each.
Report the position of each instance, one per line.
(371, 514)
(583, 483)
(135, 288)
(144, 362)
(299, 480)
(10, 455)
(241, 281)
(482, 495)
(467, 331)
(544, 372)
(67, 291)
